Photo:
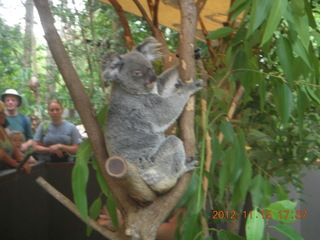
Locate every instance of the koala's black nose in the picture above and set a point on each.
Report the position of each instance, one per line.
(152, 75)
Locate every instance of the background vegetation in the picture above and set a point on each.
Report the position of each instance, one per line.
(267, 66)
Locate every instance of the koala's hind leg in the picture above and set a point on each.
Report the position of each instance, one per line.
(169, 163)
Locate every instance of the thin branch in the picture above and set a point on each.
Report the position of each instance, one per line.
(235, 103)
(168, 59)
(73, 208)
(125, 24)
(208, 41)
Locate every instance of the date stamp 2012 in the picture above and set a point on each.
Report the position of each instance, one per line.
(264, 214)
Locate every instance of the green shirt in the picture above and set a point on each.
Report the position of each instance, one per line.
(18, 124)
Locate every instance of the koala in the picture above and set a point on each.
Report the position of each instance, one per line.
(142, 107)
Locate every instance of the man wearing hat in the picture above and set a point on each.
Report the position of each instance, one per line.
(17, 121)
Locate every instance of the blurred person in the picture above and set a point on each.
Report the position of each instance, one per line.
(9, 154)
(17, 139)
(17, 121)
(58, 140)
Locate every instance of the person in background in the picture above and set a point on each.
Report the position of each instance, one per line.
(9, 154)
(17, 139)
(58, 140)
(17, 121)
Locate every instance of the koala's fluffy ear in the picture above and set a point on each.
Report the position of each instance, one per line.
(111, 64)
(150, 48)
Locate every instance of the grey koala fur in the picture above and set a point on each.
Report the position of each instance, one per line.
(142, 108)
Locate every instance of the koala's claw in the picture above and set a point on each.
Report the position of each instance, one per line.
(191, 163)
(190, 159)
(199, 82)
(149, 178)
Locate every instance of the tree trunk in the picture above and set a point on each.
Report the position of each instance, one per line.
(139, 222)
(28, 38)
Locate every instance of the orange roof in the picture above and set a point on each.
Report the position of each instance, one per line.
(214, 13)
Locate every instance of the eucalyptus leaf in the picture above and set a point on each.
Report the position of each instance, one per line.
(288, 231)
(232, 236)
(302, 104)
(220, 33)
(238, 4)
(300, 23)
(254, 226)
(256, 190)
(80, 176)
(277, 11)
(94, 211)
(227, 131)
(298, 7)
(312, 94)
(259, 13)
(112, 210)
(100, 178)
(283, 211)
(286, 58)
(283, 101)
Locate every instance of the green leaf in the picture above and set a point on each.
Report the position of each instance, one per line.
(190, 226)
(100, 178)
(283, 101)
(216, 153)
(237, 8)
(284, 51)
(302, 103)
(262, 91)
(300, 50)
(313, 95)
(227, 131)
(191, 190)
(241, 187)
(102, 115)
(298, 7)
(257, 190)
(220, 33)
(309, 13)
(281, 194)
(283, 211)
(112, 210)
(238, 4)
(94, 211)
(223, 234)
(300, 23)
(224, 173)
(277, 11)
(95, 208)
(259, 13)
(80, 176)
(240, 155)
(288, 231)
(255, 226)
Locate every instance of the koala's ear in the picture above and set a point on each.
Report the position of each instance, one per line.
(150, 48)
(111, 64)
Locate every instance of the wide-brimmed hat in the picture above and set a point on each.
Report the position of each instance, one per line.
(11, 92)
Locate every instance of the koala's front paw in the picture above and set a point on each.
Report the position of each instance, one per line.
(195, 86)
(150, 176)
(191, 163)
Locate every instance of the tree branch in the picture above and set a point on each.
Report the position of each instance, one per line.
(168, 58)
(72, 207)
(125, 24)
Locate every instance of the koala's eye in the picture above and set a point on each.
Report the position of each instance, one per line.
(137, 73)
